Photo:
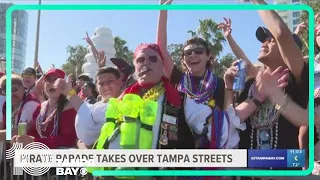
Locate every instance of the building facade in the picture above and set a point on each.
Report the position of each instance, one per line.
(19, 36)
(291, 18)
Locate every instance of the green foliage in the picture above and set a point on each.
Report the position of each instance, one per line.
(223, 64)
(75, 59)
(175, 51)
(77, 53)
(208, 30)
(122, 51)
(315, 5)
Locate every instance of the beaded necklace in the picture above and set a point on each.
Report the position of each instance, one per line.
(154, 93)
(43, 121)
(206, 90)
(263, 120)
(204, 95)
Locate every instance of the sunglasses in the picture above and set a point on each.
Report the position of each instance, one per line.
(198, 51)
(28, 76)
(14, 89)
(152, 58)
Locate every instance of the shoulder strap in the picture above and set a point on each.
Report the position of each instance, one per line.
(219, 94)
(4, 115)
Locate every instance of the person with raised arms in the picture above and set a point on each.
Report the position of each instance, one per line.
(198, 81)
(280, 52)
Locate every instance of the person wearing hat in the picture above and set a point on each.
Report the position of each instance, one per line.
(126, 72)
(54, 124)
(29, 76)
(281, 53)
(82, 78)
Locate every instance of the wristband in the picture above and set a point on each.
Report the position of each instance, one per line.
(282, 107)
(256, 102)
(71, 93)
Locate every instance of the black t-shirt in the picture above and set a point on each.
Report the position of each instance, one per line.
(218, 96)
(287, 132)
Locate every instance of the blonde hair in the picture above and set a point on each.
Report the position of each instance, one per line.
(15, 80)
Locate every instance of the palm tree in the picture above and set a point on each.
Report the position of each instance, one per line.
(208, 29)
(122, 51)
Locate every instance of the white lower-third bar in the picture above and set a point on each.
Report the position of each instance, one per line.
(131, 158)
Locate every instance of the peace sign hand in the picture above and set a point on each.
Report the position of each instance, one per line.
(88, 39)
(226, 27)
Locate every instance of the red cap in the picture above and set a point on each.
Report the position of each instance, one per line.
(56, 72)
(152, 46)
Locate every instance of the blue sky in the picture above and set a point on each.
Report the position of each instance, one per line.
(62, 28)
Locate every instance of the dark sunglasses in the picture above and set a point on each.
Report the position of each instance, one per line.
(28, 76)
(198, 51)
(152, 58)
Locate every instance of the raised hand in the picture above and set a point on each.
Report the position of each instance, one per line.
(230, 74)
(226, 27)
(102, 59)
(302, 27)
(64, 85)
(166, 2)
(88, 39)
(267, 82)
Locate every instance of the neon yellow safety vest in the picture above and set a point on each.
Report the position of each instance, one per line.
(123, 116)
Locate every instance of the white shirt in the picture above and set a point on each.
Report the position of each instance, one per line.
(90, 119)
(27, 111)
(196, 116)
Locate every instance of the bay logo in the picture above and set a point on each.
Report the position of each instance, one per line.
(71, 171)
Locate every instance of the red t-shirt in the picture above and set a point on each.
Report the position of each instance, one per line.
(66, 136)
(28, 98)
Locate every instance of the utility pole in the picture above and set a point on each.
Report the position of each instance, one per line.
(37, 39)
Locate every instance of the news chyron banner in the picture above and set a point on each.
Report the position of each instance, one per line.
(37, 162)
(38, 159)
(276, 158)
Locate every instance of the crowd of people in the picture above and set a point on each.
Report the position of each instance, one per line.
(166, 107)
